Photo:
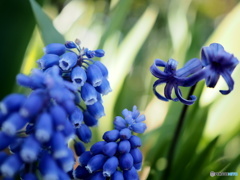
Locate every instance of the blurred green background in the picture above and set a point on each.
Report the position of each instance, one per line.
(133, 34)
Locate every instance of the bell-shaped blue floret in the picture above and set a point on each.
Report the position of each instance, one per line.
(54, 48)
(58, 145)
(89, 120)
(104, 88)
(59, 116)
(117, 175)
(89, 94)
(84, 133)
(84, 158)
(70, 44)
(96, 110)
(94, 75)
(48, 167)
(78, 76)
(138, 127)
(68, 131)
(131, 174)
(140, 118)
(79, 148)
(13, 123)
(135, 141)
(124, 147)
(99, 53)
(137, 155)
(110, 149)
(97, 148)
(11, 165)
(67, 162)
(44, 127)
(125, 133)
(76, 117)
(30, 149)
(48, 60)
(12, 103)
(15, 146)
(102, 67)
(110, 166)
(96, 163)
(126, 161)
(135, 112)
(111, 136)
(80, 173)
(68, 61)
(89, 53)
(119, 123)
(25, 81)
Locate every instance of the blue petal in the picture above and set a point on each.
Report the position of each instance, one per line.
(124, 146)
(184, 101)
(78, 76)
(171, 67)
(89, 94)
(138, 166)
(70, 44)
(24, 80)
(110, 166)
(68, 131)
(125, 133)
(12, 103)
(89, 120)
(227, 77)
(76, 117)
(94, 75)
(155, 71)
(55, 48)
(137, 155)
(126, 161)
(67, 162)
(212, 79)
(104, 88)
(79, 148)
(168, 91)
(84, 133)
(111, 136)
(192, 66)
(156, 83)
(138, 127)
(119, 123)
(96, 163)
(96, 110)
(99, 53)
(102, 67)
(140, 118)
(110, 149)
(135, 141)
(97, 147)
(85, 157)
(48, 60)
(68, 60)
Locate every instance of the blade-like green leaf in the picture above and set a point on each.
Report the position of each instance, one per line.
(48, 32)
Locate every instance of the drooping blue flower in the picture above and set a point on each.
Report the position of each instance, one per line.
(109, 149)
(174, 78)
(78, 76)
(110, 166)
(96, 110)
(89, 94)
(68, 61)
(96, 163)
(218, 63)
(84, 133)
(94, 75)
(111, 136)
(48, 60)
(97, 148)
(79, 148)
(54, 48)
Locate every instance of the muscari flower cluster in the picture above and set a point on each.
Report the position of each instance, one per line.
(214, 62)
(65, 102)
(118, 156)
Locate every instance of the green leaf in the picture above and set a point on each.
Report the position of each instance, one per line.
(48, 32)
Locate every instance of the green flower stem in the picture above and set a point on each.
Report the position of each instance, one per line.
(171, 152)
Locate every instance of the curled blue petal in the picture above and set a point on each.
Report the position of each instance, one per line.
(111, 136)
(227, 77)
(94, 75)
(96, 110)
(157, 83)
(110, 149)
(84, 133)
(24, 80)
(191, 100)
(171, 67)
(55, 48)
(110, 166)
(48, 60)
(140, 118)
(67, 61)
(155, 71)
(78, 76)
(89, 94)
(138, 166)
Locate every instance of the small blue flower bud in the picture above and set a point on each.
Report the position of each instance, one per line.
(89, 120)
(99, 53)
(138, 166)
(79, 148)
(29, 176)
(76, 117)
(13, 123)
(104, 88)
(12, 164)
(97, 147)
(70, 44)
(67, 162)
(110, 166)
(5, 140)
(48, 60)
(126, 161)
(48, 167)
(102, 67)
(96, 110)
(94, 75)
(140, 118)
(85, 157)
(58, 145)
(96, 163)
(131, 174)
(89, 53)
(54, 48)
(124, 147)
(89, 94)
(111, 136)
(44, 128)
(80, 173)
(119, 123)
(32, 105)
(67, 61)
(84, 133)
(24, 80)
(78, 76)
(30, 149)
(126, 113)
(12, 103)
(118, 175)
(135, 141)
(138, 127)
(137, 155)
(135, 112)
(59, 116)
(125, 133)
(110, 148)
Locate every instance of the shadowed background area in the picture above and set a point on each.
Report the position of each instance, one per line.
(133, 34)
